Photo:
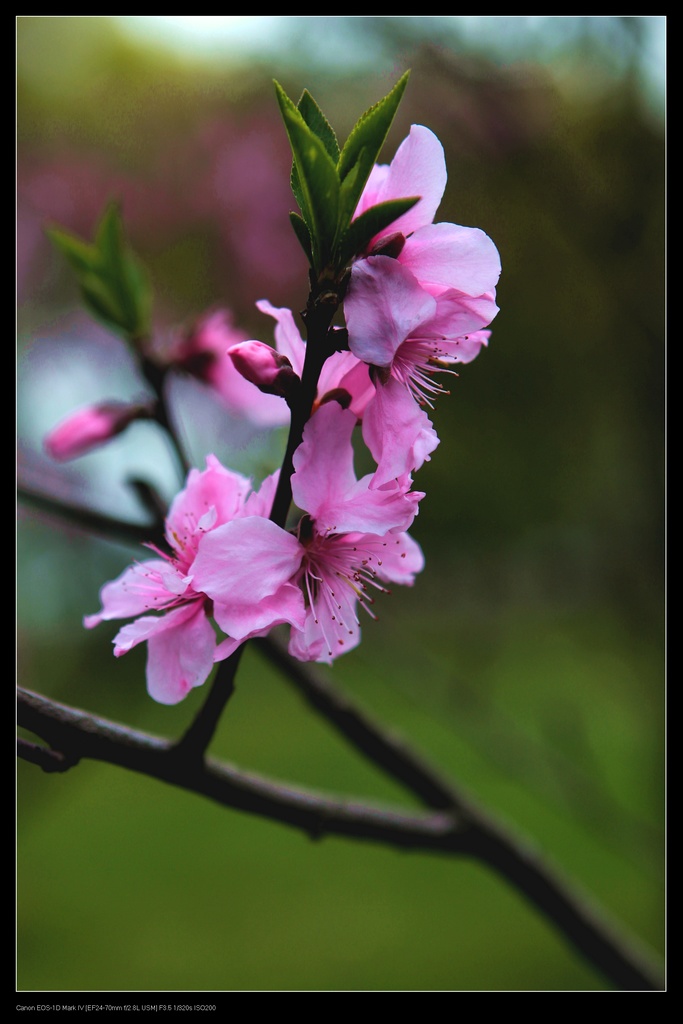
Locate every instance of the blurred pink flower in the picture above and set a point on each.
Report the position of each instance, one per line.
(202, 351)
(90, 427)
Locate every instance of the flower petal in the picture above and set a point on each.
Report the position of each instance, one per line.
(398, 433)
(245, 567)
(180, 656)
(321, 640)
(140, 588)
(288, 339)
(384, 305)
(453, 256)
(401, 559)
(418, 169)
(323, 462)
(211, 496)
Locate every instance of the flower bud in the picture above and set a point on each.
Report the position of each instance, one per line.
(91, 427)
(389, 245)
(270, 371)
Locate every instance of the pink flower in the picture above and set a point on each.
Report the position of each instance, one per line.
(181, 641)
(395, 324)
(353, 537)
(91, 427)
(418, 301)
(203, 352)
(408, 334)
(418, 169)
(440, 255)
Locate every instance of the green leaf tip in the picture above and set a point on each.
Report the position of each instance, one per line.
(113, 283)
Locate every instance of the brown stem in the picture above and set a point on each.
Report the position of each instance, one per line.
(368, 737)
(317, 318)
(196, 740)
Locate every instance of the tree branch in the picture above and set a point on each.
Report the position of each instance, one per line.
(75, 734)
(95, 522)
(371, 739)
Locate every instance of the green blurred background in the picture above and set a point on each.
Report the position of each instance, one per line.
(528, 660)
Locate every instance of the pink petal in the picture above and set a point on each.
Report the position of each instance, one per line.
(180, 650)
(453, 256)
(383, 306)
(181, 656)
(468, 347)
(418, 169)
(260, 502)
(214, 488)
(142, 587)
(398, 433)
(245, 567)
(459, 314)
(319, 640)
(401, 559)
(323, 462)
(287, 337)
(356, 381)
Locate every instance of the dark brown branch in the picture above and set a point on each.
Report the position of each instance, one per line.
(95, 522)
(196, 740)
(317, 317)
(76, 734)
(367, 736)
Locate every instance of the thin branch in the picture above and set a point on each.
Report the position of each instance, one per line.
(48, 760)
(196, 740)
(76, 734)
(156, 375)
(370, 738)
(95, 522)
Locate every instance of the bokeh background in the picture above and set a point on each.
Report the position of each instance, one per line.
(528, 660)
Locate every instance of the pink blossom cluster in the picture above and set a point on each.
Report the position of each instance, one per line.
(419, 300)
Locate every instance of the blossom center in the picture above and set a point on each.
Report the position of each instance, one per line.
(339, 572)
(415, 361)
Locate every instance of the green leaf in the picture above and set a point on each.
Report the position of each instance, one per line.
(318, 123)
(303, 234)
(288, 105)
(370, 223)
(363, 145)
(80, 255)
(316, 178)
(349, 192)
(113, 282)
(103, 301)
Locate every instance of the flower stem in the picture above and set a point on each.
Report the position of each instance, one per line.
(194, 743)
(317, 317)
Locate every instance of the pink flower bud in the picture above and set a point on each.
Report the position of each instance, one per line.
(270, 371)
(90, 427)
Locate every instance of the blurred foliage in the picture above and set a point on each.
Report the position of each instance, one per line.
(528, 661)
